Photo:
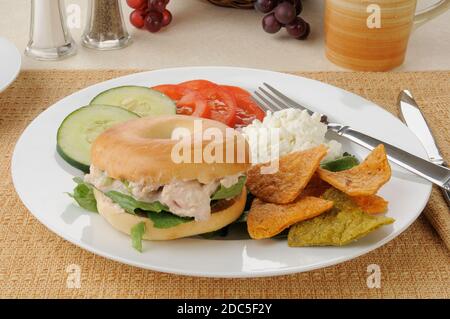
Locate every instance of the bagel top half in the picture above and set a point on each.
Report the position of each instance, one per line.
(141, 150)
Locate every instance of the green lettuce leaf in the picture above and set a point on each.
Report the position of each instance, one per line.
(83, 194)
(131, 205)
(156, 211)
(230, 192)
(137, 232)
(341, 164)
(166, 219)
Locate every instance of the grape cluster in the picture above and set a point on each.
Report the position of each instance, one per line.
(283, 13)
(150, 14)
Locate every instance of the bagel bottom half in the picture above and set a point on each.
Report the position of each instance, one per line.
(124, 221)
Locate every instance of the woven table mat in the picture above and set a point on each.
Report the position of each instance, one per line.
(34, 261)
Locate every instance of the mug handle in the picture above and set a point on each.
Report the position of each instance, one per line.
(431, 12)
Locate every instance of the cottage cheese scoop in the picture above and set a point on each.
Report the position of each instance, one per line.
(297, 130)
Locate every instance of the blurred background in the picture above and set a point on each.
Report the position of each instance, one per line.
(205, 34)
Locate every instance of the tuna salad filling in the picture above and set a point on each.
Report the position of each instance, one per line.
(182, 198)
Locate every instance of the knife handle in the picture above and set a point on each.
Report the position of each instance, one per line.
(436, 174)
(446, 194)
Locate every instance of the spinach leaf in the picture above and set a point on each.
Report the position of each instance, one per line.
(83, 194)
(341, 164)
(131, 205)
(230, 192)
(137, 232)
(167, 220)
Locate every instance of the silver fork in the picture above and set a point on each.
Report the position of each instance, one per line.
(272, 99)
(280, 105)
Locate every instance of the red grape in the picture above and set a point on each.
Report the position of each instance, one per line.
(297, 28)
(265, 6)
(159, 5)
(137, 4)
(271, 24)
(307, 32)
(285, 12)
(298, 6)
(137, 18)
(153, 21)
(150, 14)
(167, 18)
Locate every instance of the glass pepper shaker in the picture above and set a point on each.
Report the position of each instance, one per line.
(105, 28)
(50, 38)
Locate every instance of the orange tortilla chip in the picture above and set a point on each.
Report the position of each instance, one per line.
(294, 172)
(316, 187)
(372, 204)
(266, 220)
(364, 179)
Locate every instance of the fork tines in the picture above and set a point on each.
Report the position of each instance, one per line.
(271, 99)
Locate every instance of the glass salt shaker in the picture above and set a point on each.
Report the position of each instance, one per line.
(50, 38)
(105, 28)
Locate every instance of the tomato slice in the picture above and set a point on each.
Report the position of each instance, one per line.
(193, 103)
(221, 103)
(198, 84)
(171, 90)
(247, 109)
(189, 102)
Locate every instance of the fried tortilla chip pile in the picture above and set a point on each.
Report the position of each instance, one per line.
(320, 207)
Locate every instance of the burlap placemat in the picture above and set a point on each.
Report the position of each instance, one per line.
(34, 262)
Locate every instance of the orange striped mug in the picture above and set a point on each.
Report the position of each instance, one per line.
(372, 35)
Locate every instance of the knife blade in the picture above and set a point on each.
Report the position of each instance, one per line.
(414, 119)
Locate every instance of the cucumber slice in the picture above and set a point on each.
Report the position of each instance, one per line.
(138, 99)
(81, 127)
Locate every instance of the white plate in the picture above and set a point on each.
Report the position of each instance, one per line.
(10, 60)
(41, 179)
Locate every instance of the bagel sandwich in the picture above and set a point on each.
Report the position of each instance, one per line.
(143, 191)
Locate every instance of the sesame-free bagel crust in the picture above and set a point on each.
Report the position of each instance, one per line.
(141, 150)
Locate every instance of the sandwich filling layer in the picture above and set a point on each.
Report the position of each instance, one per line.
(182, 198)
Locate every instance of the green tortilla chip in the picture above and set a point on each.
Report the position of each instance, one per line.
(343, 224)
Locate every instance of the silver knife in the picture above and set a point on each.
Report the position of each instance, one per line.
(414, 119)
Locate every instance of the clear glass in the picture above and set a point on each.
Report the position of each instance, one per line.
(105, 28)
(50, 38)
